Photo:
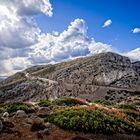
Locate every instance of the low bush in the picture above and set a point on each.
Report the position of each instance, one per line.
(68, 101)
(126, 106)
(93, 121)
(133, 116)
(13, 107)
(44, 103)
(103, 102)
(64, 101)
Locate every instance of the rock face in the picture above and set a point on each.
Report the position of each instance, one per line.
(136, 66)
(106, 75)
(104, 69)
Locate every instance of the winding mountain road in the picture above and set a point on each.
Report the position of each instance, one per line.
(45, 80)
(51, 82)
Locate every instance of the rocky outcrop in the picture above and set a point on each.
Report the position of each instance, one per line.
(136, 66)
(44, 111)
(104, 69)
(21, 114)
(88, 78)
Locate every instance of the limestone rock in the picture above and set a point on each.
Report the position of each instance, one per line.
(44, 111)
(21, 113)
(5, 114)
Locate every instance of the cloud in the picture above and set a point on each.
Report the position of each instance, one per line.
(56, 47)
(69, 44)
(98, 47)
(18, 31)
(12, 65)
(134, 54)
(136, 30)
(5, 68)
(107, 23)
(28, 7)
(23, 44)
(17, 27)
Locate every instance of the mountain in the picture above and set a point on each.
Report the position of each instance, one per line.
(107, 76)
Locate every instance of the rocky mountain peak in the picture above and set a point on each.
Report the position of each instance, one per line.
(110, 57)
(88, 78)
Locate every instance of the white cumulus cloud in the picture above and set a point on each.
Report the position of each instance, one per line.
(134, 54)
(51, 48)
(18, 31)
(107, 23)
(17, 26)
(69, 44)
(136, 30)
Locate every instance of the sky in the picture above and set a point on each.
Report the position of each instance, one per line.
(36, 32)
(125, 16)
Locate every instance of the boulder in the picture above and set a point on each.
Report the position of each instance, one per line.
(21, 113)
(44, 111)
(5, 115)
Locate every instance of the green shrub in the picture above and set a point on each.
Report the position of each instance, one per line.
(13, 107)
(61, 101)
(133, 116)
(68, 101)
(103, 102)
(93, 121)
(127, 106)
(36, 126)
(44, 103)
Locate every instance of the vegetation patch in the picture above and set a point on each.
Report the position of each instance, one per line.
(44, 103)
(68, 101)
(64, 101)
(133, 116)
(103, 102)
(13, 107)
(92, 121)
(127, 106)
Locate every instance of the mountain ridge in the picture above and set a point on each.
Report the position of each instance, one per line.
(88, 78)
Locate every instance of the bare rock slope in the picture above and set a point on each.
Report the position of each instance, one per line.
(136, 66)
(104, 76)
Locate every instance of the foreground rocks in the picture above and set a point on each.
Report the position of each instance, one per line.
(35, 126)
(21, 129)
(44, 111)
(21, 114)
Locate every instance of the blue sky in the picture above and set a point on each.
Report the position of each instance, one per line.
(125, 16)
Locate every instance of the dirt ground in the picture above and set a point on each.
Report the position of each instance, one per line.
(19, 128)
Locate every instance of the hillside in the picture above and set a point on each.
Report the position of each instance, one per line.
(104, 76)
(90, 98)
(69, 119)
